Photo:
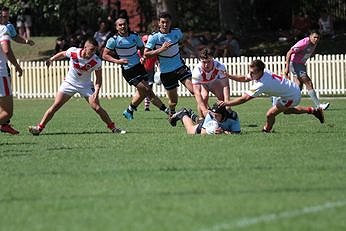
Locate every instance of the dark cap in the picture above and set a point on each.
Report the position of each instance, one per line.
(219, 109)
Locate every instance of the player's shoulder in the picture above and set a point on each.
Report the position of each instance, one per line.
(72, 52)
(219, 65)
(97, 59)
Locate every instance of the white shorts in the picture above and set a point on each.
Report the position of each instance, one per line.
(69, 89)
(5, 86)
(289, 103)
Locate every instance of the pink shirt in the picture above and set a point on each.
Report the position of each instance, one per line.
(302, 50)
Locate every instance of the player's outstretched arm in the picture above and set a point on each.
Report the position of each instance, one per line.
(238, 78)
(59, 56)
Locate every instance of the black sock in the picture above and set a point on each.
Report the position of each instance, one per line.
(163, 107)
(131, 108)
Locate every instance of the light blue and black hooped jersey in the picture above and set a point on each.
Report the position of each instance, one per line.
(170, 59)
(126, 48)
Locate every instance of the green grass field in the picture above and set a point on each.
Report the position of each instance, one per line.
(78, 176)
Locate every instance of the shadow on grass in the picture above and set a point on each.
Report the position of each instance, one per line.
(75, 133)
(20, 143)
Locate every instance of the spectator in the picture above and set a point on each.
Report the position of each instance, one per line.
(102, 35)
(24, 21)
(206, 40)
(5, 14)
(83, 32)
(326, 24)
(114, 11)
(191, 45)
(300, 25)
(229, 47)
(61, 44)
(67, 40)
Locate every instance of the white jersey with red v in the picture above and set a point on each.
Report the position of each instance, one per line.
(80, 69)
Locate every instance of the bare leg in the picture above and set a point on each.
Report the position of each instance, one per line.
(188, 84)
(95, 105)
(189, 125)
(271, 114)
(60, 100)
(6, 108)
(311, 91)
(172, 99)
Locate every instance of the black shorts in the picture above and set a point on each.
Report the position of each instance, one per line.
(135, 74)
(170, 79)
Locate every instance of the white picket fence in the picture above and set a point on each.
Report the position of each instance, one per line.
(328, 73)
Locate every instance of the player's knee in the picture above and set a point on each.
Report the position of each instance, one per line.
(6, 115)
(172, 104)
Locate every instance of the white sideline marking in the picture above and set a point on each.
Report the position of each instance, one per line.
(247, 221)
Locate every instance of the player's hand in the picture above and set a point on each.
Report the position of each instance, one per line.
(221, 103)
(286, 75)
(219, 131)
(19, 70)
(123, 61)
(166, 45)
(48, 62)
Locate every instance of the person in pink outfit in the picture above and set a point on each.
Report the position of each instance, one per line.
(296, 59)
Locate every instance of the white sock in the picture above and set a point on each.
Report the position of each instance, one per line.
(274, 100)
(313, 96)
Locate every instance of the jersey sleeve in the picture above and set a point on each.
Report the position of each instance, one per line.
(196, 75)
(110, 43)
(300, 45)
(11, 30)
(151, 42)
(68, 52)
(222, 68)
(139, 42)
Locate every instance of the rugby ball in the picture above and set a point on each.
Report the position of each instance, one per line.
(211, 127)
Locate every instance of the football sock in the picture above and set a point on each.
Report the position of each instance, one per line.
(111, 125)
(146, 102)
(310, 110)
(131, 108)
(163, 108)
(315, 100)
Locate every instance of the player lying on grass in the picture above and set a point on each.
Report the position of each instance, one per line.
(218, 120)
(83, 61)
(266, 82)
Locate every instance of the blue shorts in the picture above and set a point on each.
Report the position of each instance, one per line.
(298, 70)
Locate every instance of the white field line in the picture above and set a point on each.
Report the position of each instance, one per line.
(248, 221)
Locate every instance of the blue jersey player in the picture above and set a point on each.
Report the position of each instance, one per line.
(122, 49)
(165, 44)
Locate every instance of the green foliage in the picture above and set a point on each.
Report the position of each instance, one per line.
(78, 176)
(198, 14)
